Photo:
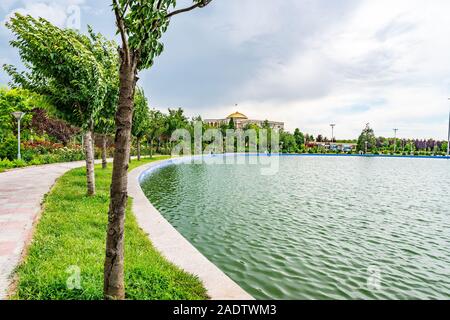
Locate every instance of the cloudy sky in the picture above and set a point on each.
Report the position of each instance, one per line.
(308, 63)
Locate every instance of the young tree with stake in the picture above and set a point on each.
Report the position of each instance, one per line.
(140, 24)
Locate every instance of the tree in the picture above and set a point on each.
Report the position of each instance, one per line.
(105, 127)
(64, 65)
(223, 128)
(17, 100)
(231, 124)
(174, 120)
(106, 52)
(288, 143)
(319, 138)
(367, 135)
(140, 119)
(155, 128)
(444, 146)
(265, 124)
(299, 138)
(140, 23)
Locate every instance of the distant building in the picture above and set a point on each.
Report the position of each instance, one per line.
(333, 146)
(240, 121)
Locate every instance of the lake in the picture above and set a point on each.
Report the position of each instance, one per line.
(320, 228)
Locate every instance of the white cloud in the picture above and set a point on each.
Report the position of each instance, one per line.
(249, 20)
(308, 63)
(55, 11)
(6, 5)
(386, 64)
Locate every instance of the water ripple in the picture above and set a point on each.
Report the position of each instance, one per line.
(320, 227)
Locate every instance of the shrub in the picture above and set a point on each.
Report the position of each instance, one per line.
(35, 162)
(8, 148)
(6, 164)
(56, 128)
(19, 163)
(42, 155)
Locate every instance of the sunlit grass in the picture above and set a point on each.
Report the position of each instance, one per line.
(72, 232)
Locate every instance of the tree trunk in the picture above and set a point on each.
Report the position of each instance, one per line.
(104, 161)
(113, 268)
(138, 148)
(151, 148)
(90, 174)
(93, 143)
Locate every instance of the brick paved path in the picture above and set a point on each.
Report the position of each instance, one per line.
(21, 194)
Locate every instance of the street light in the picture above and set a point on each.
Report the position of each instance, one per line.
(366, 142)
(395, 139)
(448, 140)
(332, 131)
(18, 115)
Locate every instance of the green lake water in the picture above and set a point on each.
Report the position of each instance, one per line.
(321, 228)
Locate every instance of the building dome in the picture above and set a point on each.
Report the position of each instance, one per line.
(237, 115)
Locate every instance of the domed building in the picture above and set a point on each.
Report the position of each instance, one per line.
(241, 120)
(237, 116)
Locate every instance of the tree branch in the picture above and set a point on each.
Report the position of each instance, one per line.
(200, 4)
(125, 9)
(121, 27)
(154, 25)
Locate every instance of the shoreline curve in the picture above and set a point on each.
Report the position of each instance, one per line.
(173, 246)
(177, 249)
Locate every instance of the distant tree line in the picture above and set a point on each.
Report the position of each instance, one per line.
(368, 142)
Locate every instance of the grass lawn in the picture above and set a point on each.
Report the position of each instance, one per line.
(72, 232)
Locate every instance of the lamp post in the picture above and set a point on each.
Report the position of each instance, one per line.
(366, 142)
(448, 140)
(332, 131)
(18, 115)
(395, 140)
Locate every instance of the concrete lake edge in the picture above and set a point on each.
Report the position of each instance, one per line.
(172, 245)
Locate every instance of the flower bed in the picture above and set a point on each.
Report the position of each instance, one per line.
(40, 152)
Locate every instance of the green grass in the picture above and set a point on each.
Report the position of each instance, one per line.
(72, 232)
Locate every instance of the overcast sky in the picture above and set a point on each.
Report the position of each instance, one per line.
(308, 63)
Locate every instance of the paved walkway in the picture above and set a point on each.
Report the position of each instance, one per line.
(21, 194)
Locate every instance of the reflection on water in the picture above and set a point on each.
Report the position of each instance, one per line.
(322, 228)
